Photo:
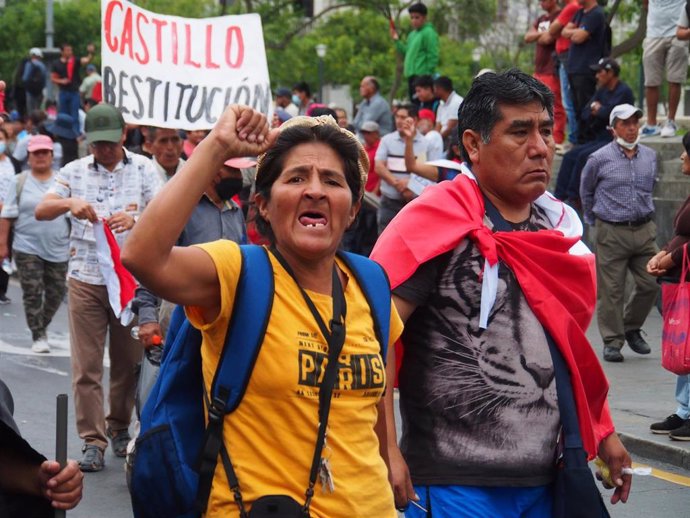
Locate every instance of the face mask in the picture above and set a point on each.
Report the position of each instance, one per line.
(228, 187)
(627, 145)
(2, 148)
(296, 100)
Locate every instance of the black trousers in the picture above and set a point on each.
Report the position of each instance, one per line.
(583, 87)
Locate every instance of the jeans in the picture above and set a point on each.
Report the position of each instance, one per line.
(567, 100)
(68, 102)
(683, 396)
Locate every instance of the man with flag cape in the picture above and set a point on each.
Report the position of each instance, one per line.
(481, 419)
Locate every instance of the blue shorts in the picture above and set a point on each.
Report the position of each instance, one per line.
(482, 502)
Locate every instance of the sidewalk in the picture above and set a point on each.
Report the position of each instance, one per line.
(642, 392)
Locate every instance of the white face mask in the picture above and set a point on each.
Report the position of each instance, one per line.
(627, 145)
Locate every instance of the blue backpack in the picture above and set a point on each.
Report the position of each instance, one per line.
(172, 468)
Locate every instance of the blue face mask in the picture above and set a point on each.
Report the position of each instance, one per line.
(2, 147)
(295, 99)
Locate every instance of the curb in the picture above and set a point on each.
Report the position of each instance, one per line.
(667, 453)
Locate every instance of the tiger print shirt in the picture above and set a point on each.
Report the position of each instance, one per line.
(478, 406)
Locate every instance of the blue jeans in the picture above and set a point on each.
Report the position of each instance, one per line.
(474, 502)
(68, 102)
(683, 396)
(567, 100)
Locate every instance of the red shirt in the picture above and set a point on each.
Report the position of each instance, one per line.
(373, 178)
(567, 13)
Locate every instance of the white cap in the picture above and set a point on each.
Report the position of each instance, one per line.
(623, 112)
(35, 51)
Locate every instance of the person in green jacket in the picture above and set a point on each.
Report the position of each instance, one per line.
(421, 50)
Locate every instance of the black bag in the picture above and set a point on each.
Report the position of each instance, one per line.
(575, 493)
(277, 506)
(36, 81)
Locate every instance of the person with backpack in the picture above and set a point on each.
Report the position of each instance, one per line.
(40, 248)
(322, 339)
(34, 78)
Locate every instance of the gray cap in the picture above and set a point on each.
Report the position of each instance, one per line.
(104, 123)
(370, 126)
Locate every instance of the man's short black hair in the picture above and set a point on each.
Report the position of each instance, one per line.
(412, 110)
(302, 86)
(444, 83)
(418, 8)
(424, 82)
(481, 108)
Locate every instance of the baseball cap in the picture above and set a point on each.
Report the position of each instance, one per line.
(104, 123)
(35, 51)
(240, 163)
(427, 114)
(39, 142)
(283, 92)
(623, 112)
(606, 64)
(370, 126)
(90, 68)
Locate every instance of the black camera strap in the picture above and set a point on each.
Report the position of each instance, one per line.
(335, 337)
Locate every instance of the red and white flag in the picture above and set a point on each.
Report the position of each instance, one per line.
(119, 282)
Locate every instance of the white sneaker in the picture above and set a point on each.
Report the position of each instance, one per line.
(669, 129)
(41, 346)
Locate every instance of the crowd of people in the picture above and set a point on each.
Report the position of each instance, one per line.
(482, 319)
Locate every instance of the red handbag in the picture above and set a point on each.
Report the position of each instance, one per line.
(675, 339)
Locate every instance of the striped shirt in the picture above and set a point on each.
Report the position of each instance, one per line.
(616, 188)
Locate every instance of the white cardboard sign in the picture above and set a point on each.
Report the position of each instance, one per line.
(175, 72)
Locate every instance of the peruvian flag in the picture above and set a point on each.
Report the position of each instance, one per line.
(119, 282)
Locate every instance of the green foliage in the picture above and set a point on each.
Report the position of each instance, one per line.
(358, 45)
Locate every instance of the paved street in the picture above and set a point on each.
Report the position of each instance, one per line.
(641, 391)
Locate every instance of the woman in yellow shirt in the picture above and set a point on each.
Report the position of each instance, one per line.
(309, 185)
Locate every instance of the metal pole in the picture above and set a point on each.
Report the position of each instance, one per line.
(50, 31)
(321, 80)
(61, 439)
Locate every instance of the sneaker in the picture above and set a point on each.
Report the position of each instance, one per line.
(681, 433)
(611, 354)
(669, 129)
(40, 346)
(650, 131)
(636, 342)
(119, 441)
(669, 424)
(4, 299)
(92, 460)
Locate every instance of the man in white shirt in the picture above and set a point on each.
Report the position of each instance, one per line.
(113, 186)
(447, 112)
(166, 148)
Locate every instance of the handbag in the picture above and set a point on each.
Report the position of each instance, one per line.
(575, 492)
(283, 506)
(675, 342)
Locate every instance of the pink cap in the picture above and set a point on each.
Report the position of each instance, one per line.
(240, 163)
(39, 142)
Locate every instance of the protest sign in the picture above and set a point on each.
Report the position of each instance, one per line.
(175, 72)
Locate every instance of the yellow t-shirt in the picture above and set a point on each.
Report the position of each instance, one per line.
(272, 434)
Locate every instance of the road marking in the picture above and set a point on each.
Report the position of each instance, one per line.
(665, 475)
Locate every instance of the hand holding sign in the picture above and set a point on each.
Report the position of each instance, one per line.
(243, 131)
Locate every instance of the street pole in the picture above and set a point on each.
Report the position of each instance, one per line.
(321, 53)
(49, 24)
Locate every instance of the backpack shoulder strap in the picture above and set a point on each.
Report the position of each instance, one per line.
(21, 180)
(250, 315)
(246, 329)
(373, 280)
